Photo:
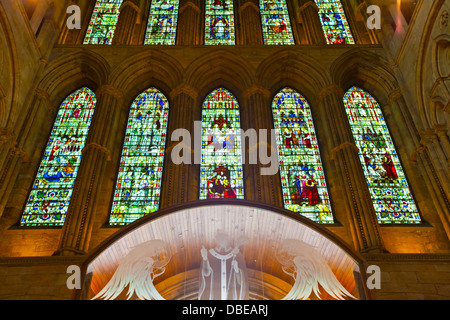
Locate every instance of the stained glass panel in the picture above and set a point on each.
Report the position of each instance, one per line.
(276, 24)
(139, 180)
(49, 198)
(219, 22)
(103, 22)
(334, 22)
(162, 23)
(388, 187)
(221, 167)
(302, 175)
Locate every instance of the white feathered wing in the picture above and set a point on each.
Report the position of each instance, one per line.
(309, 269)
(137, 270)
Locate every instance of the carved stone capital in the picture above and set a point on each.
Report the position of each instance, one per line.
(330, 90)
(343, 146)
(249, 4)
(254, 89)
(95, 146)
(184, 89)
(190, 4)
(111, 90)
(310, 4)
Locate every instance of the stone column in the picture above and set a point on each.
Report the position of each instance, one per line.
(10, 159)
(79, 220)
(257, 114)
(249, 30)
(38, 14)
(366, 35)
(181, 181)
(190, 23)
(307, 15)
(130, 16)
(344, 156)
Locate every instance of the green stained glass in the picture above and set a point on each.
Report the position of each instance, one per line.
(276, 23)
(103, 22)
(302, 175)
(221, 173)
(219, 22)
(334, 22)
(162, 23)
(52, 189)
(387, 183)
(138, 184)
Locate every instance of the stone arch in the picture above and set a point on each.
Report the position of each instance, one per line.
(72, 71)
(202, 219)
(219, 68)
(366, 70)
(144, 70)
(288, 69)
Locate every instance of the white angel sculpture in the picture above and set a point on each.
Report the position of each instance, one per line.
(137, 270)
(309, 269)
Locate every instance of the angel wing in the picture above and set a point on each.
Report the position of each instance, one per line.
(309, 269)
(137, 270)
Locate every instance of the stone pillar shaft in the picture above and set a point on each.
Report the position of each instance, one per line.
(308, 17)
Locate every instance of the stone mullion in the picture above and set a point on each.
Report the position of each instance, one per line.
(128, 18)
(249, 29)
(308, 16)
(181, 182)
(371, 33)
(346, 159)
(79, 219)
(258, 115)
(190, 23)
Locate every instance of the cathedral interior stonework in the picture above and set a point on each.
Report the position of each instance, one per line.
(90, 120)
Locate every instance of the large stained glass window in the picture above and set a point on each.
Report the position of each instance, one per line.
(219, 22)
(221, 166)
(276, 23)
(103, 22)
(49, 198)
(138, 184)
(334, 22)
(302, 175)
(162, 23)
(389, 189)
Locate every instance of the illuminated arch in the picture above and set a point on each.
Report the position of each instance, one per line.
(103, 22)
(162, 22)
(276, 23)
(334, 22)
(219, 23)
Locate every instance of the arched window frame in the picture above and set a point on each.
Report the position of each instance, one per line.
(169, 14)
(70, 170)
(209, 13)
(267, 12)
(323, 212)
(398, 166)
(240, 194)
(126, 219)
(321, 4)
(101, 7)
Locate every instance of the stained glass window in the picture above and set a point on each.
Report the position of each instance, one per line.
(389, 189)
(103, 22)
(221, 166)
(219, 21)
(334, 22)
(276, 23)
(49, 198)
(138, 184)
(162, 23)
(302, 175)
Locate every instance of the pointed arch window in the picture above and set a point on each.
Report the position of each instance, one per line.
(391, 196)
(221, 173)
(302, 176)
(103, 22)
(276, 23)
(138, 183)
(334, 22)
(219, 23)
(52, 189)
(162, 22)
